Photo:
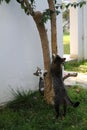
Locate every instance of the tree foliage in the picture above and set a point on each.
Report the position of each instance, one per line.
(7, 1)
(47, 12)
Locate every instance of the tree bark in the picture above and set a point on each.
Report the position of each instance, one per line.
(48, 92)
(53, 27)
(37, 16)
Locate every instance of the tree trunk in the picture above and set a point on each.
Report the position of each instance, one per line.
(53, 27)
(48, 93)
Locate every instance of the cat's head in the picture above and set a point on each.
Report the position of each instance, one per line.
(41, 73)
(56, 59)
(56, 66)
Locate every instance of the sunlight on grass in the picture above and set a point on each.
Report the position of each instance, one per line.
(78, 66)
(66, 39)
(66, 49)
(66, 43)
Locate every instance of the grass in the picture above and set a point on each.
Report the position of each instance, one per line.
(28, 111)
(66, 42)
(77, 66)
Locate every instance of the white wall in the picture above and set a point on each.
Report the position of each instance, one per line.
(60, 32)
(85, 30)
(20, 49)
(78, 32)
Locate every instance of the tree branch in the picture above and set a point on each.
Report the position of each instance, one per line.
(53, 27)
(28, 5)
(70, 75)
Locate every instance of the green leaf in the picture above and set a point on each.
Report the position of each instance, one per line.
(32, 1)
(72, 5)
(57, 12)
(56, 7)
(55, 1)
(75, 5)
(61, 7)
(7, 1)
(67, 6)
(26, 11)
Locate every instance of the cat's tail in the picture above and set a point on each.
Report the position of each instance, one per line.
(76, 104)
(68, 100)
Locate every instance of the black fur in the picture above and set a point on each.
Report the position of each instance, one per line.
(41, 86)
(61, 96)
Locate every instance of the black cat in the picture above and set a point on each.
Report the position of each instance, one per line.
(61, 97)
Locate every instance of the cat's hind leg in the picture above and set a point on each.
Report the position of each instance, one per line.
(56, 106)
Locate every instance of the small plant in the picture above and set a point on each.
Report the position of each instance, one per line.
(23, 100)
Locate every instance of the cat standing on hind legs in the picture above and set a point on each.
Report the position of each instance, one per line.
(61, 97)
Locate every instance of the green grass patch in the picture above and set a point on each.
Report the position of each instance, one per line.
(66, 43)
(28, 111)
(77, 66)
(66, 49)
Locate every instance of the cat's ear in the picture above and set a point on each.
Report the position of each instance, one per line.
(63, 60)
(34, 74)
(38, 68)
(60, 58)
(45, 73)
(53, 56)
